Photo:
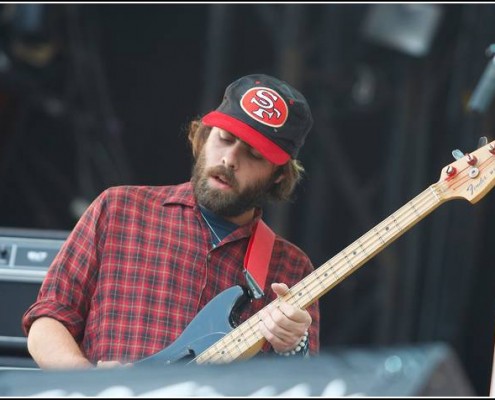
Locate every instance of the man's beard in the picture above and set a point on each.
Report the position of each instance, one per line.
(233, 202)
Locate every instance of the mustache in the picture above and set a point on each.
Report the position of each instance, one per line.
(226, 173)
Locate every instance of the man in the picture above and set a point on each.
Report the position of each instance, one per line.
(142, 262)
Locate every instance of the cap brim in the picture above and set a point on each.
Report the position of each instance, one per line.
(246, 133)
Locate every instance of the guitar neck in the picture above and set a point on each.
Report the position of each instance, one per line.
(363, 249)
(246, 336)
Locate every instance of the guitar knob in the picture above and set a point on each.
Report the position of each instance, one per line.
(471, 160)
(451, 170)
(457, 154)
(482, 142)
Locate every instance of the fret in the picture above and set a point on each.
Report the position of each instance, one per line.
(351, 265)
(362, 247)
(321, 275)
(396, 223)
(378, 234)
(433, 189)
(301, 293)
(333, 271)
(239, 341)
(414, 208)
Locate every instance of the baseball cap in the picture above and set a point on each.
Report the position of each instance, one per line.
(266, 113)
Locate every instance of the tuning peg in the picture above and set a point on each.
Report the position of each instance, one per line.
(451, 171)
(483, 141)
(471, 159)
(457, 154)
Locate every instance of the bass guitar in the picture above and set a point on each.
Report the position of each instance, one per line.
(222, 340)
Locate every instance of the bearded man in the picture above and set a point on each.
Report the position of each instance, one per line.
(146, 263)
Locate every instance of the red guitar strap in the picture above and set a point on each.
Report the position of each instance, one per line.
(257, 258)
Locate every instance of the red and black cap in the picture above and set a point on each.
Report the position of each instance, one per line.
(267, 113)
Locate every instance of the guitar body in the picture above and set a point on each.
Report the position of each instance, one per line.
(213, 322)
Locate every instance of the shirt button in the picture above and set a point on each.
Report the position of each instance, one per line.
(208, 257)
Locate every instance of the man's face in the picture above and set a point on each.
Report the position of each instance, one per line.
(229, 176)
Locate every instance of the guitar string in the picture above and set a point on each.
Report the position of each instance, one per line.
(249, 334)
(257, 334)
(335, 267)
(425, 196)
(253, 333)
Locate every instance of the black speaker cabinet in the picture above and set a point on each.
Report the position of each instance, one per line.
(25, 255)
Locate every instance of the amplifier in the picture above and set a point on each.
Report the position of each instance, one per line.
(25, 255)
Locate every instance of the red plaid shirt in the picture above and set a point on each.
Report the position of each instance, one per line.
(138, 267)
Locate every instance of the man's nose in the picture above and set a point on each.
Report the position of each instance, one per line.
(230, 158)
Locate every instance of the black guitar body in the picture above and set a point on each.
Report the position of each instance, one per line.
(214, 321)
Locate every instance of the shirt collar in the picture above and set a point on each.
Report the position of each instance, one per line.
(180, 194)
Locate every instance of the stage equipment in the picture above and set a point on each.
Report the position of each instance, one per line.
(421, 370)
(485, 89)
(25, 255)
(409, 28)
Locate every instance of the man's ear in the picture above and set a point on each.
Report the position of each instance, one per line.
(280, 178)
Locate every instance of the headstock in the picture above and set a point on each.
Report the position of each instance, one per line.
(471, 176)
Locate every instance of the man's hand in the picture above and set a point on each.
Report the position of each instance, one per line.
(283, 326)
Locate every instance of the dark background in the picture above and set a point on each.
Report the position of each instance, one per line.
(98, 95)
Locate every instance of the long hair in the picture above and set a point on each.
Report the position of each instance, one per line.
(293, 170)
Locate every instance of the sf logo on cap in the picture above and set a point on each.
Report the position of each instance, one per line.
(265, 106)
